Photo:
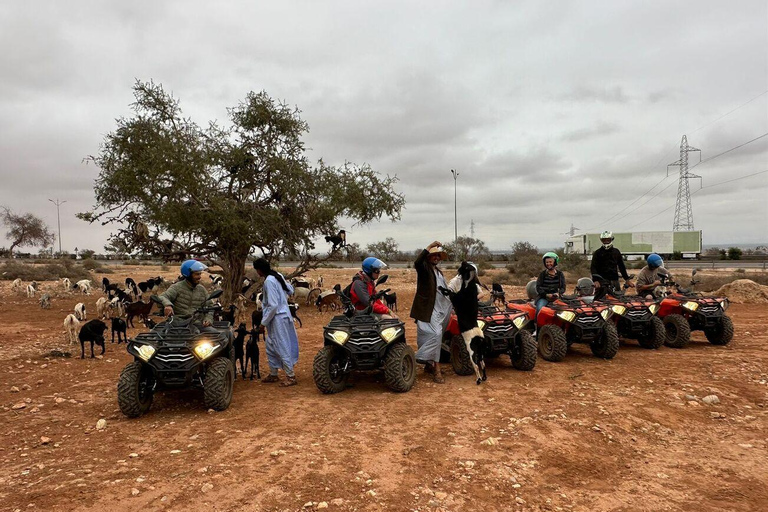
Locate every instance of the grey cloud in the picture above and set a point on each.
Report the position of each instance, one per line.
(606, 94)
(600, 129)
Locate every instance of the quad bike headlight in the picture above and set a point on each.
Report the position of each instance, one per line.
(145, 352)
(653, 308)
(724, 304)
(619, 310)
(205, 349)
(568, 316)
(390, 333)
(606, 313)
(339, 337)
(520, 321)
(481, 324)
(691, 305)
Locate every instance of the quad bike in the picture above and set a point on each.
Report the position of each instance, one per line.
(684, 311)
(176, 354)
(359, 340)
(569, 320)
(505, 332)
(634, 316)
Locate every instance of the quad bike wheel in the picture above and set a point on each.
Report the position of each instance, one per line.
(656, 336)
(326, 370)
(400, 367)
(678, 331)
(722, 333)
(219, 384)
(462, 364)
(607, 345)
(552, 343)
(134, 392)
(523, 354)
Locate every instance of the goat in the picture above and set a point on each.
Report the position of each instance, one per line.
(391, 299)
(119, 326)
(130, 285)
(92, 331)
(116, 308)
(301, 294)
(105, 284)
(150, 284)
(313, 295)
(319, 281)
(84, 285)
(45, 301)
(240, 333)
(216, 280)
(497, 294)
(328, 299)
(465, 304)
(240, 310)
(119, 294)
(229, 314)
(16, 286)
(247, 283)
(252, 352)
(31, 289)
(293, 307)
(66, 283)
(338, 240)
(102, 307)
(149, 323)
(80, 311)
(300, 282)
(138, 308)
(71, 326)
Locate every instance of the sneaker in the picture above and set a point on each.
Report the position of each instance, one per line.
(271, 378)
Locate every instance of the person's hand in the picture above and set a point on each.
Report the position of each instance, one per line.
(206, 323)
(434, 244)
(168, 310)
(629, 283)
(597, 284)
(656, 283)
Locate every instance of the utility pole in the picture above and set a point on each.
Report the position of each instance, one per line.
(472, 228)
(683, 210)
(58, 219)
(455, 210)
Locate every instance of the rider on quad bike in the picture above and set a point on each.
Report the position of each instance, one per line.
(185, 350)
(634, 316)
(366, 337)
(686, 311)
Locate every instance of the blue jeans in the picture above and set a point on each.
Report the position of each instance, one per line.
(540, 303)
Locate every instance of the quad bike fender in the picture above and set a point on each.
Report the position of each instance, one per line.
(670, 306)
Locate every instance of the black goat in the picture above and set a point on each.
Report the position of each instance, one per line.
(338, 240)
(497, 294)
(92, 331)
(252, 352)
(119, 327)
(130, 285)
(240, 333)
(391, 299)
(104, 284)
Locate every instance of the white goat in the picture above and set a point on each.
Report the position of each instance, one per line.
(116, 308)
(102, 308)
(31, 289)
(80, 311)
(71, 326)
(17, 286)
(84, 285)
(45, 301)
(66, 283)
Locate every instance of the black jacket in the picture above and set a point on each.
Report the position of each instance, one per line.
(547, 284)
(605, 261)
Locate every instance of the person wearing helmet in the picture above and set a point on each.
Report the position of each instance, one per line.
(364, 286)
(431, 309)
(551, 282)
(649, 277)
(605, 262)
(585, 289)
(185, 297)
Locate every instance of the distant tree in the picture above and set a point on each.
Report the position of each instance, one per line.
(25, 230)
(221, 193)
(87, 254)
(677, 255)
(523, 249)
(467, 248)
(734, 253)
(353, 252)
(386, 250)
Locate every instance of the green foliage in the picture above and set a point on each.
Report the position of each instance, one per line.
(25, 230)
(525, 268)
(677, 255)
(386, 250)
(87, 254)
(734, 253)
(465, 248)
(219, 193)
(523, 249)
(574, 264)
(91, 264)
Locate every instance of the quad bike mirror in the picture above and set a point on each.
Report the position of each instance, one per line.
(215, 294)
(382, 279)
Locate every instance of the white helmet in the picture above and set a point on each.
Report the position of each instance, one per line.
(607, 235)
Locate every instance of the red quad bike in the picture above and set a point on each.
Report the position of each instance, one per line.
(569, 320)
(505, 332)
(634, 316)
(687, 311)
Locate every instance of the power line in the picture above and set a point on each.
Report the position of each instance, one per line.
(729, 150)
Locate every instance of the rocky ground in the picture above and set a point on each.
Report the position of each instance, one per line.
(648, 430)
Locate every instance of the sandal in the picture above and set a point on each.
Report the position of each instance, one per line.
(429, 368)
(289, 381)
(270, 378)
(438, 378)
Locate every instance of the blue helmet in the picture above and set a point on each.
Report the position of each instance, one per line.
(371, 264)
(655, 261)
(190, 266)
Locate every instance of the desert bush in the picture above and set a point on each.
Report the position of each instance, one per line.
(43, 272)
(574, 263)
(524, 268)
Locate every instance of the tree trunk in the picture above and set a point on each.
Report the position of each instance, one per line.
(233, 267)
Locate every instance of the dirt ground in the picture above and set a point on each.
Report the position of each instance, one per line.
(581, 435)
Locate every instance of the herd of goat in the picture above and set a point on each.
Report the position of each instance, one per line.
(120, 305)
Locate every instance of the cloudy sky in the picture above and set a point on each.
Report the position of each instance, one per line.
(553, 113)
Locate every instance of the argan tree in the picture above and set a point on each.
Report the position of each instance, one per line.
(468, 248)
(25, 230)
(221, 193)
(386, 250)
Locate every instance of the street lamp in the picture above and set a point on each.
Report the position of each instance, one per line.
(58, 219)
(455, 217)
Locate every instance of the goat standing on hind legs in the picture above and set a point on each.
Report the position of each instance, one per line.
(463, 291)
(338, 241)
